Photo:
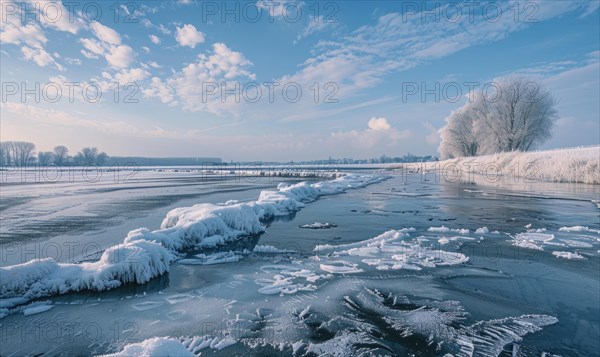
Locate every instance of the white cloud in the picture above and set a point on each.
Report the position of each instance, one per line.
(89, 55)
(30, 34)
(158, 89)
(378, 133)
(54, 15)
(316, 24)
(120, 56)
(93, 46)
(221, 67)
(379, 124)
(73, 61)
(433, 138)
(398, 42)
(189, 36)
(37, 55)
(155, 39)
(105, 33)
(133, 75)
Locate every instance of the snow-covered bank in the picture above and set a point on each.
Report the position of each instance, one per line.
(146, 254)
(576, 165)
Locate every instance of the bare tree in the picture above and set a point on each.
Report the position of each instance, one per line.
(101, 159)
(20, 153)
(4, 154)
(61, 154)
(518, 116)
(91, 156)
(45, 158)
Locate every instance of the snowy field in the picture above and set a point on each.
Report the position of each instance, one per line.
(576, 165)
(370, 262)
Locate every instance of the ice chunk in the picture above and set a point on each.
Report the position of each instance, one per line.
(157, 346)
(577, 244)
(567, 255)
(319, 225)
(133, 262)
(341, 267)
(444, 229)
(36, 309)
(391, 250)
(482, 230)
(578, 229)
(531, 240)
(269, 249)
(147, 305)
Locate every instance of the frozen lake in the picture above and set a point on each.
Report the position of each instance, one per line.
(402, 266)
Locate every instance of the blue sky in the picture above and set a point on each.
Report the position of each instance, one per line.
(365, 56)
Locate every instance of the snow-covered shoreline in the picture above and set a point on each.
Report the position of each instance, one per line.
(146, 254)
(573, 165)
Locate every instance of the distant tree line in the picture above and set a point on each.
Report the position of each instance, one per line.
(23, 153)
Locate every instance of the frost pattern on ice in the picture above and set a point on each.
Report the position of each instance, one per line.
(440, 324)
(374, 323)
(146, 254)
(532, 240)
(391, 250)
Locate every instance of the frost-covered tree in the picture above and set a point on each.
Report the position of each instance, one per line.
(460, 136)
(517, 115)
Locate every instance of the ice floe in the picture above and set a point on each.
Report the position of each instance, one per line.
(578, 229)
(393, 250)
(319, 225)
(157, 346)
(444, 229)
(567, 255)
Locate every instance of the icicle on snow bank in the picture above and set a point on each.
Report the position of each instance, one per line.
(147, 254)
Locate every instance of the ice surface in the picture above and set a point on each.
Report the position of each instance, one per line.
(146, 254)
